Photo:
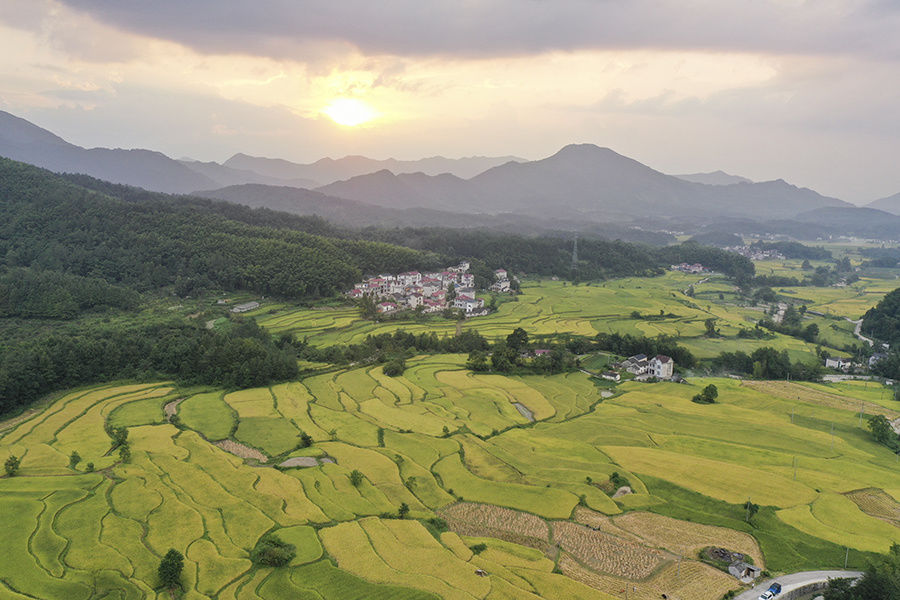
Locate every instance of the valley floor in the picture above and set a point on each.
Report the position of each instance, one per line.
(529, 504)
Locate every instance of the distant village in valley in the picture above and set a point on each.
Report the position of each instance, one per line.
(452, 288)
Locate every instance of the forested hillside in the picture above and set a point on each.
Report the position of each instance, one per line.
(50, 223)
(597, 258)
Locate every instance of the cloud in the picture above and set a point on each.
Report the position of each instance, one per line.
(288, 29)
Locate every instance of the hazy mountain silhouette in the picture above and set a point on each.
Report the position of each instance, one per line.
(890, 204)
(329, 170)
(225, 176)
(23, 141)
(583, 181)
(350, 213)
(714, 178)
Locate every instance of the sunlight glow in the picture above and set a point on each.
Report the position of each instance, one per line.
(349, 112)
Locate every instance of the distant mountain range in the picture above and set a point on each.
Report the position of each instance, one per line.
(328, 170)
(890, 204)
(582, 188)
(350, 213)
(582, 181)
(714, 178)
(26, 142)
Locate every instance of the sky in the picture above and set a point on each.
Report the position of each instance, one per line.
(807, 91)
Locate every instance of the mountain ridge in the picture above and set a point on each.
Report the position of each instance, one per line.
(583, 181)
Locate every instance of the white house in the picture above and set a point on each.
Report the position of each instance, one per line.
(468, 304)
(465, 292)
(637, 364)
(661, 366)
(410, 277)
(501, 285)
(415, 300)
(500, 274)
(836, 362)
(386, 307)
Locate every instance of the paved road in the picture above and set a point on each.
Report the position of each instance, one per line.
(796, 580)
(857, 331)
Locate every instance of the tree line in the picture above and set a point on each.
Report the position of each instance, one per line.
(244, 356)
(30, 293)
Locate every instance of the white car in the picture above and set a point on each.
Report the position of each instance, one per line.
(767, 595)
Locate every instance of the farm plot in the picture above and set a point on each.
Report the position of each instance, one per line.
(684, 537)
(690, 579)
(836, 518)
(876, 503)
(605, 553)
(485, 520)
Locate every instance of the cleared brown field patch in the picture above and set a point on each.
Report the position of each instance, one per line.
(795, 392)
(606, 553)
(691, 581)
(241, 450)
(483, 520)
(684, 537)
(601, 522)
(877, 503)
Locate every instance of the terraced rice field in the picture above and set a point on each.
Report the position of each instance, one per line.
(878, 504)
(528, 491)
(548, 307)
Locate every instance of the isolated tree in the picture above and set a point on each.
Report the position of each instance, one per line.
(403, 511)
(791, 317)
(394, 368)
(170, 568)
(271, 551)
(707, 396)
(811, 333)
(119, 436)
(356, 477)
(806, 266)
(883, 432)
(305, 440)
(518, 339)
(89, 468)
(751, 509)
(710, 325)
(12, 465)
(74, 459)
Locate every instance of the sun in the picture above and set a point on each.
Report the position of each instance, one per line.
(349, 112)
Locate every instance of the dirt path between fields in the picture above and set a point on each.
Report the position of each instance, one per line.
(172, 408)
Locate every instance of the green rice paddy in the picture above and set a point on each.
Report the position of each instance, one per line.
(435, 436)
(555, 307)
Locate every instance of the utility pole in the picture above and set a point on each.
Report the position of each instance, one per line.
(847, 557)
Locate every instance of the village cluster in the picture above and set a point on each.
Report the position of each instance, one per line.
(453, 287)
(688, 268)
(755, 253)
